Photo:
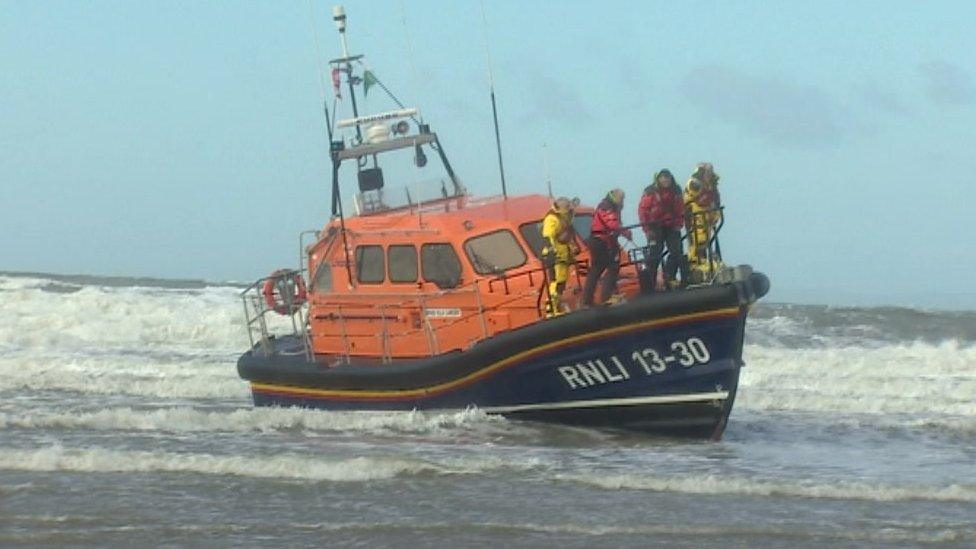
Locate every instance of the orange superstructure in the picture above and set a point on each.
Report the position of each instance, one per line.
(430, 279)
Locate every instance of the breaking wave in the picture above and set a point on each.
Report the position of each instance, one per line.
(122, 376)
(263, 420)
(912, 378)
(280, 466)
(95, 318)
(729, 485)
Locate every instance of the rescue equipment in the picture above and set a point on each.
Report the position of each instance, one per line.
(284, 291)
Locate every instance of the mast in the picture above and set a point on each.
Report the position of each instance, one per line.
(339, 16)
(498, 138)
(494, 107)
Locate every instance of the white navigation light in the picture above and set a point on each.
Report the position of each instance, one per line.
(366, 120)
(339, 16)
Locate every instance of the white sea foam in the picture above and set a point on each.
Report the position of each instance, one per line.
(186, 419)
(917, 378)
(893, 533)
(122, 375)
(95, 317)
(280, 466)
(731, 485)
(288, 466)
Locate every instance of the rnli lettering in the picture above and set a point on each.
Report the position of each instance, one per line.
(612, 369)
(594, 372)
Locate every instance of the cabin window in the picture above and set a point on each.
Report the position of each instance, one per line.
(322, 281)
(370, 267)
(532, 233)
(440, 265)
(402, 260)
(494, 252)
(581, 222)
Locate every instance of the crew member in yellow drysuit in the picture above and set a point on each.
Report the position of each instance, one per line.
(702, 201)
(557, 254)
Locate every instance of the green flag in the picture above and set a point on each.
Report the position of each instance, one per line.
(368, 80)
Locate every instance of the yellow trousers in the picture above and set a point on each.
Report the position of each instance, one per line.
(559, 274)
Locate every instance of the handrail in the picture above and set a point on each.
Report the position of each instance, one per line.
(302, 252)
(665, 252)
(255, 310)
(430, 331)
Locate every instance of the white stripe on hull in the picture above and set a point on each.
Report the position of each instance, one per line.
(605, 402)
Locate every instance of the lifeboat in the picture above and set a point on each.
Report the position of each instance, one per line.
(428, 298)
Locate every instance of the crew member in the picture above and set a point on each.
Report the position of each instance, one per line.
(702, 213)
(662, 214)
(605, 229)
(559, 251)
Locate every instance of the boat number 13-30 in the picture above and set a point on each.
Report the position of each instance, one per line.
(598, 371)
(687, 353)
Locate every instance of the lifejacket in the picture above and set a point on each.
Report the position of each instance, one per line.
(661, 207)
(557, 229)
(606, 223)
(703, 194)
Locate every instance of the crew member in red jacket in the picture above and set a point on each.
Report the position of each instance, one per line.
(604, 249)
(662, 215)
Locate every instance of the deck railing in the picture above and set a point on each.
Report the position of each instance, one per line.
(256, 316)
(344, 307)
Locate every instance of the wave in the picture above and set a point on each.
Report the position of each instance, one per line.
(279, 466)
(916, 378)
(181, 343)
(186, 419)
(740, 486)
(105, 317)
(77, 313)
(51, 281)
(752, 533)
(919, 380)
(123, 376)
(817, 326)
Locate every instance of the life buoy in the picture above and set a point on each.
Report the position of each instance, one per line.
(284, 291)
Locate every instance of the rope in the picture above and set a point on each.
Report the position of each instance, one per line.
(385, 89)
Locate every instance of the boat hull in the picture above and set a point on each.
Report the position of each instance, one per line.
(666, 364)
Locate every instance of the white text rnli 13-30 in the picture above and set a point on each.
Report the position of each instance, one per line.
(648, 361)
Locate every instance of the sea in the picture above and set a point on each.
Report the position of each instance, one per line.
(123, 423)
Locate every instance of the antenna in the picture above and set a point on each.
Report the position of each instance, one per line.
(545, 160)
(494, 107)
(339, 17)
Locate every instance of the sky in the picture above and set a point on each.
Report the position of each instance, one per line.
(187, 140)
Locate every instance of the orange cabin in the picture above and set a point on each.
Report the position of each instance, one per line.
(423, 280)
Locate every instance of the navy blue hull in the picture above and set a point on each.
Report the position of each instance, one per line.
(663, 365)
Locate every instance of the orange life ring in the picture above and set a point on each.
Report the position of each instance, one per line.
(284, 291)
